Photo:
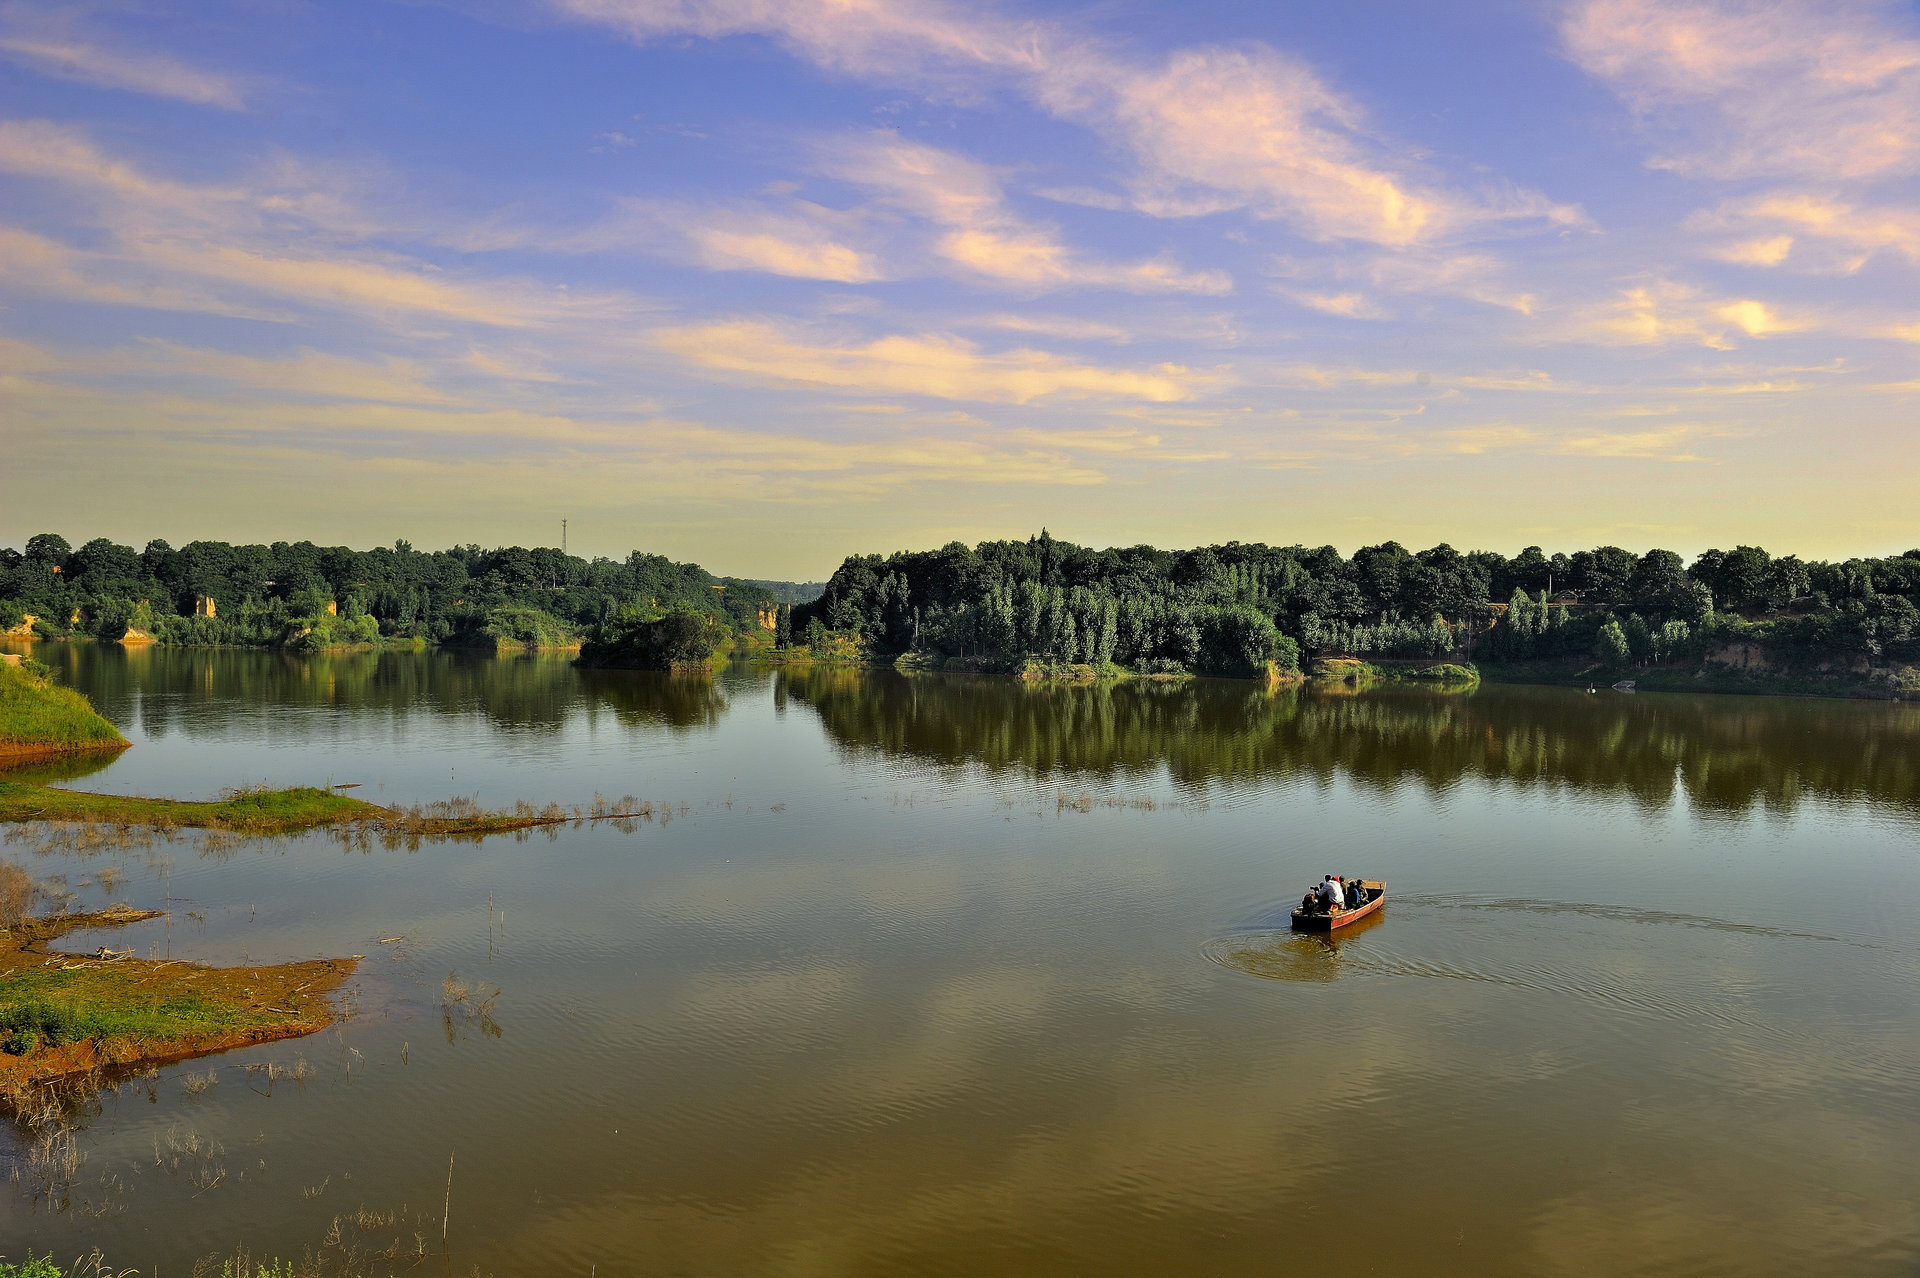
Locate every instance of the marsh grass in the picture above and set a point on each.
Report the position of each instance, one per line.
(249, 811)
(463, 1004)
(20, 893)
(356, 1244)
(201, 1160)
(76, 824)
(1086, 802)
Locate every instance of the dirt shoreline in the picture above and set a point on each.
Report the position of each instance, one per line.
(253, 1005)
(14, 754)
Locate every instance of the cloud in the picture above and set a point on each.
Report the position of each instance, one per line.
(1345, 305)
(935, 366)
(1820, 230)
(1430, 270)
(1084, 196)
(723, 248)
(890, 39)
(1664, 313)
(1744, 88)
(1672, 444)
(1476, 440)
(1218, 129)
(211, 248)
(1062, 326)
(1765, 252)
(142, 72)
(980, 233)
(1211, 129)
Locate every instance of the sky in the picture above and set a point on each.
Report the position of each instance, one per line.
(762, 283)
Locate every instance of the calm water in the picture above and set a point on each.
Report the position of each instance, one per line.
(944, 975)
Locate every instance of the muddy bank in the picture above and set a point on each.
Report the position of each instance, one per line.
(73, 1019)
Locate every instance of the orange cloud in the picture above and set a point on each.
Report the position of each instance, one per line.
(940, 367)
(983, 235)
(1795, 87)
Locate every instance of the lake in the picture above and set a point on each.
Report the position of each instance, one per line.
(950, 975)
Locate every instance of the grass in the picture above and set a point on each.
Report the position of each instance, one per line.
(55, 1007)
(241, 811)
(66, 1017)
(39, 717)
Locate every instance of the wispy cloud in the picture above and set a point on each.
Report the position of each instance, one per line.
(796, 239)
(1211, 129)
(980, 233)
(1741, 88)
(1673, 443)
(936, 366)
(138, 72)
(223, 248)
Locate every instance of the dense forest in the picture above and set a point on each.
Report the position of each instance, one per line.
(297, 594)
(1235, 608)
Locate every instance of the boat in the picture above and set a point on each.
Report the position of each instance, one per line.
(1305, 922)
(1625, 685)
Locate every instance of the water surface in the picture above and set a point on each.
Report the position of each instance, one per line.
(949, 975)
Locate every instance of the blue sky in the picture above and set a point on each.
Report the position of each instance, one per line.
(762, 284)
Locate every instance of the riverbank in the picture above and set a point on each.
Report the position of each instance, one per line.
(1883, 684)
(41, 720)
(72, 1020)
(1352, 670)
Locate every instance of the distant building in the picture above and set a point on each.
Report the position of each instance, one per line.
(203, 606)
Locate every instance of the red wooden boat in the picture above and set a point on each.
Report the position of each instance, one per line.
(1376, 897)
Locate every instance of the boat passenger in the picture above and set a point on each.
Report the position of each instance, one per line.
(1331, 894)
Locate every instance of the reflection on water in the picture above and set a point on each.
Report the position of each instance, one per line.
(887, 995)
(1726, 753)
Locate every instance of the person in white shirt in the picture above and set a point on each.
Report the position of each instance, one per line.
(1330, 894)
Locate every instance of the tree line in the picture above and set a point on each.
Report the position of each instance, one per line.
(1232, 609)
(301, 594)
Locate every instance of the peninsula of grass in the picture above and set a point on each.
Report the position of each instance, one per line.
(75, 1018)
(299, 808)
(243, 812)
(39, 719)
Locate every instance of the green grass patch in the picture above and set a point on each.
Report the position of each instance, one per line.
(51, 1007)
(247, 812)
(36, 713)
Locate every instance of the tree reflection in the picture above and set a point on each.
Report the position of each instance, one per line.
(1725, 752)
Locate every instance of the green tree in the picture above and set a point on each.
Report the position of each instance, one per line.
(1611, 646)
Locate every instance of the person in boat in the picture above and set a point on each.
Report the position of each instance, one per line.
(1331, 897)
(1356, 895)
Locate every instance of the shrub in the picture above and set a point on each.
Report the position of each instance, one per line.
(683, 636)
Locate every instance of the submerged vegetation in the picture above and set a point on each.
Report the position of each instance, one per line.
(38, 718)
